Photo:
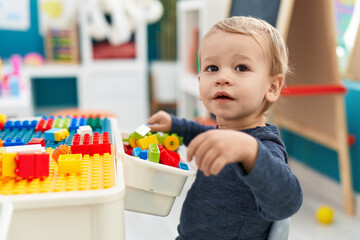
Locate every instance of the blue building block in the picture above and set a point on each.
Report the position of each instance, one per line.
(143, 154)
(50, 134)
(9, 125)
(82, 121)
(9, 142)
(74, 125)
(136, 152)
(182, 165)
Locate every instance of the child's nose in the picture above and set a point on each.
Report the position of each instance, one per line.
(223, 79)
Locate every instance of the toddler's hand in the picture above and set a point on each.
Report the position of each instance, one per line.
(214, 149)
(160, 122)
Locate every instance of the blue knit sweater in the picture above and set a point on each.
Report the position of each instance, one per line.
(234, 204)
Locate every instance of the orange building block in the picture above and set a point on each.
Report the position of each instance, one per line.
(63, 149)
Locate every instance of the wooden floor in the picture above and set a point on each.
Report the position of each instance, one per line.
(318, 191)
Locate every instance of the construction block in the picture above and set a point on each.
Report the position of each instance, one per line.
(141, 132)
(145, 142)
(40, 125)
(50, 134)
(42, 162)
(128, 150)
(168, 157)
(154, 153)
(132, 141)
(171, 143)
(3, 118)
(66, 122)
(17, 124)
(136, 152)
(82, 121)
(60, 150)
(1, 143)
(1, 126)
(100, 143)
(58, 122)
(9, 125)
(61, 134)
(81, 144)
(8, 164)
(8, 142)
(84, 130)
(40, 141)
(144, 154)
(74, 125)
(70, 163)
(182, 165)
(25, 165)
(35, 148)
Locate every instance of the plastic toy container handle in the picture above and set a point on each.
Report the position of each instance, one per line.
(6, 211)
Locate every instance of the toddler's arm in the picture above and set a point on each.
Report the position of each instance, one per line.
(164, 122)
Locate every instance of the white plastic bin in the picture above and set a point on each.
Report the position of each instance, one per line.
(152, 187)
(79, 215)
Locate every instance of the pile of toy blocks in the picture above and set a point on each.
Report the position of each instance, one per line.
(157, 148)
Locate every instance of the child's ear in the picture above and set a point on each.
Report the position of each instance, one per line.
(275, 85)
(199, 97)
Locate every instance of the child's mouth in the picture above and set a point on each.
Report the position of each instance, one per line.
(222, 97)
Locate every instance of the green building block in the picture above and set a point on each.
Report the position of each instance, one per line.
(141, 132)
(154, 153)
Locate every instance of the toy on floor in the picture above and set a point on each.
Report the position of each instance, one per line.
(325, 215)
(155, 147)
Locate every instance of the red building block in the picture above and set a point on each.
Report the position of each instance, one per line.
(1, 126)
(39, 127)
(37, 141)
(168, 157)
(25, 165)
(128, 149)
(42, 161)
(81, 144)
(100, 143)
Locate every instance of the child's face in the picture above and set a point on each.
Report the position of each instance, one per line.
(234, 77)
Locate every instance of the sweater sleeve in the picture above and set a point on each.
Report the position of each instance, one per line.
(276, 189)
(187, 129)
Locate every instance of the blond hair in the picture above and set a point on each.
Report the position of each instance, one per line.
(276, 48)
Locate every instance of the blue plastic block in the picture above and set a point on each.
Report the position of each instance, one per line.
(82, 121)
(136, 152)
(9, 125)
(74, 124)
(183, 166)
(17, 124)
(143, 154)
(8, 142)
(50, 134)
(33, 124)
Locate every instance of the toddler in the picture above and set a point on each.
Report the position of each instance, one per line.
(243, 183)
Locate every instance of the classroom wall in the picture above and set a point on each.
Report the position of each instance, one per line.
(325, 160)
(23, 42)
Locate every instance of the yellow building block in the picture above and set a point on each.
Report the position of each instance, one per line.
(8, 164)
(70, 163)
(145, 142)
(3, 118)
(61, 135)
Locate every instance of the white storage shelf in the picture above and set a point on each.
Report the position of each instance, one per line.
(199, 14)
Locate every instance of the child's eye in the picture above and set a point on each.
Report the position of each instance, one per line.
(242, 68)
(212, 68)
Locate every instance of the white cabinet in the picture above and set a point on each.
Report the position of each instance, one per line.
(191, 15)
(116, 85)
